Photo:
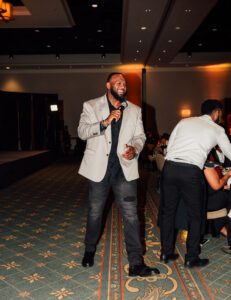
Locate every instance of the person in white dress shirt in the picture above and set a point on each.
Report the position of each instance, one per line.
(182, 177)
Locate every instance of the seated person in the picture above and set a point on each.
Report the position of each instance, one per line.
(218, 194)
(227, 249)
(218, 197)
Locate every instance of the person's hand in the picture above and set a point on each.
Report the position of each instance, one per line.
(114, 115)
(226, 187)
(229, 173)
(129, 153)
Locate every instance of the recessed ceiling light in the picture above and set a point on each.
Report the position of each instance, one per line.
(99, 30)
(137, 51)
(200, 44)
(159, 59)
(135, 59)
(101, 46)
(140, 41)
(37, 30)
(143, 28)
(48, 46)
(8, 68)
(148, 10)
(164, 51)
(94, 5)
(187, 10)
(214, 29)
(169, 41)
(177, 27)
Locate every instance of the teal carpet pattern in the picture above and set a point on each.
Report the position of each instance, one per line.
(42, 229)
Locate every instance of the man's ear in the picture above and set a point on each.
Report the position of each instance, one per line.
(108, 85)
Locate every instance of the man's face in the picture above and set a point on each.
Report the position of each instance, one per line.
(117, 87)
(219, 119)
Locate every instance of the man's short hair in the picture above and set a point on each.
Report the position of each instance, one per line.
(112, 74)
(209, 105)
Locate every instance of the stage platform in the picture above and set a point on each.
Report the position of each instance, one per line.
(17, 164)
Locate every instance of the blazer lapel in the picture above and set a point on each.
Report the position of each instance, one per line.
(123, 127)
(104, 107)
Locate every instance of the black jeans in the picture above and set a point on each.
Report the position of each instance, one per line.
(182, 181)
(125, 193)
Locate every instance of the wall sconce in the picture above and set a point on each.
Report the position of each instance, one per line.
(185, 112)
(54, 107)
(6, 11)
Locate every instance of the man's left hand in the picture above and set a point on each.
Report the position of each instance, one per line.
(129, 153)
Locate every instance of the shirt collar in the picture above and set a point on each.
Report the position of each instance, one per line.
(207, 117)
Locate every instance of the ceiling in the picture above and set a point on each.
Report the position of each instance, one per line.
(72, 33)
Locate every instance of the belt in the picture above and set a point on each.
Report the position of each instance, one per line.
(181, 163)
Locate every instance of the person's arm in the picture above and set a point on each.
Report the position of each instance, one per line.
(87, 127)
(213, 179)
(224, 144)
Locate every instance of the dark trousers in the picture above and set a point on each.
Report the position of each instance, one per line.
(125, 193)
(186, 182)
(217, 200)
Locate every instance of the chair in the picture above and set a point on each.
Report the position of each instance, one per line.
(211, 215)
(160, 161)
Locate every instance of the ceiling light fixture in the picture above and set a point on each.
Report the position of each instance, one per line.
(164, 51)
(143, 28)
(48, 46)
(200, 44)
(214, 29)
(8, 68)
(99, 30)
(37, 30)
(177, 27)
(187, 10)
(169, 41)
(140, 41)
(94, 5)
(6, 11)
(148, 10)
(137, 51)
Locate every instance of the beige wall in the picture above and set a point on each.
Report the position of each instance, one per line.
(72, 87)
(168, 90)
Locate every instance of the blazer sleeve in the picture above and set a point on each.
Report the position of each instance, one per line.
(88, 128)
(139, 135)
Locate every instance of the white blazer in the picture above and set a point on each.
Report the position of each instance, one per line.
(95, 159)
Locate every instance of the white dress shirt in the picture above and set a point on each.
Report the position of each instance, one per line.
(193, 138)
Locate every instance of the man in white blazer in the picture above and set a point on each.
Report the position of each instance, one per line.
(114, 132)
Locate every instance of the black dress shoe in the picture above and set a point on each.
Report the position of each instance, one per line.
(198, 262)
(166, 257)
(142, 271)
(88, 259)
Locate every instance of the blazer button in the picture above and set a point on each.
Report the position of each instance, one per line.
(109, 142)
(107, 154)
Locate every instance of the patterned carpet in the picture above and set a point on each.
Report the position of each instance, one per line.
(42, 230)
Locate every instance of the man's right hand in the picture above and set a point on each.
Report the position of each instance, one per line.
(114, 115)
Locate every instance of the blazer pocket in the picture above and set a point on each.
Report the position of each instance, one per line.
(89, 151)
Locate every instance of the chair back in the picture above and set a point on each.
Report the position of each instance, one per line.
(216, 214)
(159, 161)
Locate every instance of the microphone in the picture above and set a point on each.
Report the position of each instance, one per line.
(123, 106)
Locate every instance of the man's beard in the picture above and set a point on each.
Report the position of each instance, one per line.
(118, 97)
